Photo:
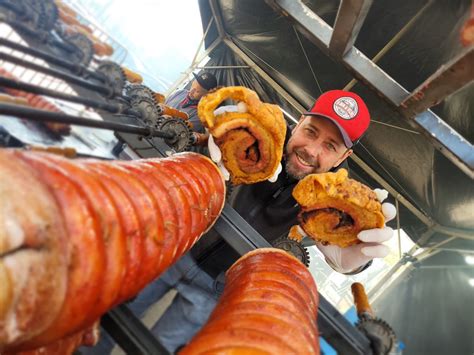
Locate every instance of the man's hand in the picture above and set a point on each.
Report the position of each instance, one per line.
(352, 259)
(214, 150)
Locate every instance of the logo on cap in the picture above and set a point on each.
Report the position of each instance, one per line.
(346, 107)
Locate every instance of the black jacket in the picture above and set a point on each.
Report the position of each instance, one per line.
(268, 207)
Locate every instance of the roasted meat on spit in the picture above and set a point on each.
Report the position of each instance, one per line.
(269, 306)
(78, 237)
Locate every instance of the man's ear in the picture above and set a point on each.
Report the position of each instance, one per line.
(344, 156)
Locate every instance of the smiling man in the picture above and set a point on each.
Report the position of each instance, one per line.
(320, 142)
(324, 136)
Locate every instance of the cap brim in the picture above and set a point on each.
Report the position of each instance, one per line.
(347, 141)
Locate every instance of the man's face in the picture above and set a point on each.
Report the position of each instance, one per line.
(196, 91)
(315, 146)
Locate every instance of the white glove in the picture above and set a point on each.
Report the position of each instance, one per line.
(351, 259)
(214, 150)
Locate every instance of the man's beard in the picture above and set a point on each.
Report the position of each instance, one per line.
(293, 172)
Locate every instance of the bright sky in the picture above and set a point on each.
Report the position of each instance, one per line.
(161, 36)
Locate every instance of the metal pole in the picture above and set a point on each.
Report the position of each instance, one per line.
(239, 52)
(225, 67)
(450, 77)
(217, 17)
(393, 41)
(57, 74)
(42, 116)
(76, 68)
(14, 84)
(433, 247)
(202, 41)
(191, 68)
(399, 264)
(349, 20)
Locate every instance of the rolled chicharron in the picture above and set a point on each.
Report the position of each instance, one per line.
(251, 142)
(334, 208)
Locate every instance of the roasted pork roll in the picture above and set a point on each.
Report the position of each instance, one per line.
(68, 344)
(251, 142)
(78, 237)
(334, 208)
(269, 306)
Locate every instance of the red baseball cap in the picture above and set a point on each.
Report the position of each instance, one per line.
(346, 110)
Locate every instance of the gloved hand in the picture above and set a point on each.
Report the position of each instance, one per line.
(352, 259)
(214, 150)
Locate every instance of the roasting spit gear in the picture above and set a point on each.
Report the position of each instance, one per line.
(148, 109)
(183, 135)
(381, 335)
(137, 90)
(115, 76)
(293, 247)
(49, 13)
(22, 12)
(84, 47)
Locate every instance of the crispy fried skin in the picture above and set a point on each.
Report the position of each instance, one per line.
(79, 236)
(269, 306)
(33, 270)
(334, 208)
(251, 142)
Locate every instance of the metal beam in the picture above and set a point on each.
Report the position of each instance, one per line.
(455, 232)
(216, 13)
(386, 278)
(394, 40)
(430, 249)
(198, 60)
(237, 232)
(350, 18)
(225, 67)
(449, 142)
(234, 48)
(445, 267)
(449, 78)
(441, 135)
(130, 333)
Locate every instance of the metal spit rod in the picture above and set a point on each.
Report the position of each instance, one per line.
(78, 69)
(57, 74)
(41, 35)
(34, 89)
(46, 116)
